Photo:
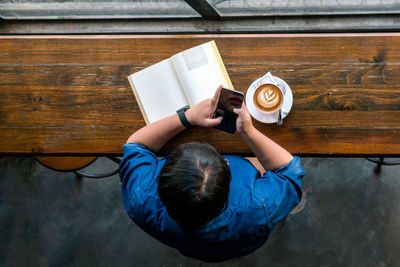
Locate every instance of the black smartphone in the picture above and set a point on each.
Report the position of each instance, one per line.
(228, 100)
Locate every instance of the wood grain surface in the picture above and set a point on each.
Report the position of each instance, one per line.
(71, 163)
(69, 95)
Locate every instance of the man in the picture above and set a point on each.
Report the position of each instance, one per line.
(208, 206)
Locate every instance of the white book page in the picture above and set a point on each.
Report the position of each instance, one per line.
(199, 72)
(159, 90)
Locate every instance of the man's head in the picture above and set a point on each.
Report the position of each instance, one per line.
(194, 184)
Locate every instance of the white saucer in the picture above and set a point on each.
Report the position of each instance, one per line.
(269, 118)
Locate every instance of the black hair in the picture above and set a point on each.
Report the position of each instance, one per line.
(194, 184)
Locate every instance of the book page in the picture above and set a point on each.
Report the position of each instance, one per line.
(199, 72)
(158, 90)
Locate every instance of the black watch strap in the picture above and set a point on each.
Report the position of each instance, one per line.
(182, 116)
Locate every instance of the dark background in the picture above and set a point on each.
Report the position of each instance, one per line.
(348, 217)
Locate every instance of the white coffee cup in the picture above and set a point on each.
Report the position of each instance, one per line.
(268, 97)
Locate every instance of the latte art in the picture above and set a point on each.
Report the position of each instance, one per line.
(268, 98)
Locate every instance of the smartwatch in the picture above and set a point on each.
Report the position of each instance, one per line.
(182, 116)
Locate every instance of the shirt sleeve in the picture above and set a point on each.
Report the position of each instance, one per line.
(281, 190)
(137, 172)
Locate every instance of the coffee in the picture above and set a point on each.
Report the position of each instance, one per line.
(268, 98)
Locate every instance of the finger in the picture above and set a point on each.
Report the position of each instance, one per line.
(214, 100)
(241, 113)
(214, 122)
(241, 110)
(244, 106)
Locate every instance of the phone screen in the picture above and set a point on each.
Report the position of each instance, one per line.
(228, 100)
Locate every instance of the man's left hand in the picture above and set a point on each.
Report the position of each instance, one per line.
(202, 114)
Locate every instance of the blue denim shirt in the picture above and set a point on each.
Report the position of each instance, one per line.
(256, 204)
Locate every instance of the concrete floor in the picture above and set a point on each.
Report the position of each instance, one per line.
(348, 217)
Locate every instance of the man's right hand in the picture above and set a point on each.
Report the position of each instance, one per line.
(271, 155)
(243, 122)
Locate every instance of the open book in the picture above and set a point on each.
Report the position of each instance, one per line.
(186, 78)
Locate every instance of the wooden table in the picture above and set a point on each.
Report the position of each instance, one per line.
(69, 95)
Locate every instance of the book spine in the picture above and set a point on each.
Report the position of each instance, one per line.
(222, 65)
(138, 101)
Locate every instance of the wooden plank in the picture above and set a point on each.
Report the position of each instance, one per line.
(176, 9)
(249, 24)
(56, 92)
(305, 7)
(68, 163)
(94, 9)
(239, 49)
(97, 141)
(69, 94)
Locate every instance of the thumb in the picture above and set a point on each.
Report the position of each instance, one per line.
(238, 111)
(214, 122)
